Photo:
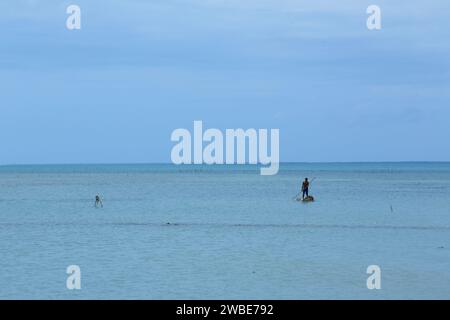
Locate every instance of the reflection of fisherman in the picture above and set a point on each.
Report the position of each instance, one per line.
(98, 201)
(305, 188)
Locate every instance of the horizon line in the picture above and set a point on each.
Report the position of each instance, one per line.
(215, 164)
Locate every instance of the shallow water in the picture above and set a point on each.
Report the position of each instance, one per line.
(200, 232)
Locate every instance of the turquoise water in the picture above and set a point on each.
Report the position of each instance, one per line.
(200, 232)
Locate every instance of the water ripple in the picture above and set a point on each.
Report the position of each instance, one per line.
(228, 225)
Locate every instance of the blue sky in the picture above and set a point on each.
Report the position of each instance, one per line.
(115, 90)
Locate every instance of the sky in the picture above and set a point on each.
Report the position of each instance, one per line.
(114, 91)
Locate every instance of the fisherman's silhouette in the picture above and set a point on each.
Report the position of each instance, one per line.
(305, 188)
(98, 201)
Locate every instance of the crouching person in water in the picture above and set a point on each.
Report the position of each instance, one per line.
(305, 189)
(98, 201)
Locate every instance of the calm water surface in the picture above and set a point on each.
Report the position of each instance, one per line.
(200, 232)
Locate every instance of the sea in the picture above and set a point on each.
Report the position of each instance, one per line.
(225, 232)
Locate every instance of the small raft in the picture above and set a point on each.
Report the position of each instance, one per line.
(307, 199)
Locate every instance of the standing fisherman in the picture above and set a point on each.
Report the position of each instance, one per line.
(98, 201)
(305, 188)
